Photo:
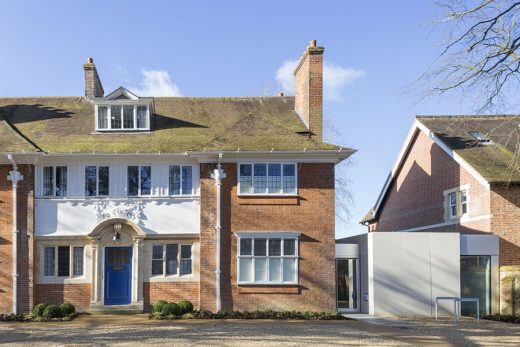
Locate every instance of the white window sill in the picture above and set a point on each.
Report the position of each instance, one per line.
(249, 195)
(267, 284)
(64, 280)
(172, 278)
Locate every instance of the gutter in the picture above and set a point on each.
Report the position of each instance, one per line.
(218, 174)
(14, 177)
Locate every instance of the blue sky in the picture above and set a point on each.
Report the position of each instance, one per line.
(374, 49)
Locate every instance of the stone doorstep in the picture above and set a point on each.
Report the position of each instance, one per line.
(116, 309)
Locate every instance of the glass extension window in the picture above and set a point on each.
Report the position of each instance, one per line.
(171, 260)
(456, 203)
(268, 259)
(96, 180)
(122, 117)
(267, 178)
(58, 260)
(180, 180)
(139, 180)
(54, 181)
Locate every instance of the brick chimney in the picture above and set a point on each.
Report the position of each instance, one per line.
(308, 86)
(93, 87)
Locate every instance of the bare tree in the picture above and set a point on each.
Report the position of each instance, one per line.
(481, 56)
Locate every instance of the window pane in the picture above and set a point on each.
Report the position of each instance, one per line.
(102, 117)
(133, 178)
(246, 178)
(103, 180)
(157, 260)
(289, 247)
(157, 252)
(275, 273)
(128, 116)
(48, 180)
(260, 270)
(61, 181)
(48, 261)
(246, 270)
(289, 270)
(175, 179)
(171, 259)
(260, 178)
(90, 180)
(77, 261)
(463, 201)
(63, 260)
(141, 117)
(260, 247)
(289, 178)
(146, 180)
(115, 116)
(246, 246)
(275, 178)
(185, 259)
(275, 247)
(186, 180)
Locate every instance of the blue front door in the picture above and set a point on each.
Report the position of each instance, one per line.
(118, 275)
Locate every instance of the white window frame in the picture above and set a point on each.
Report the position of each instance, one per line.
(178, 274)
(97, 180)
(447, 203)
(182, 176)
(139, 180)
(71, 261)
(271, 235)
(295, 193)
(53, 195)
(121, 104)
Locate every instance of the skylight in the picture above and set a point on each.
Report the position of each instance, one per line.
(480, 137)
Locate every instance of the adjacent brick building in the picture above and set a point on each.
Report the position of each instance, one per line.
(126, 200)
(459, 174)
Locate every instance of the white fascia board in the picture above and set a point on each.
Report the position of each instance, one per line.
(418, 126)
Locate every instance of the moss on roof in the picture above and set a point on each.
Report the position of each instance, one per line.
(66, 124)
(497, 162)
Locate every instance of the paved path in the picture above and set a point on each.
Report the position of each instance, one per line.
(137, 330)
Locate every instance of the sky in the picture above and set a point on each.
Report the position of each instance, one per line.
(374, 51)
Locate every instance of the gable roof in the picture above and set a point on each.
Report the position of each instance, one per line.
(179, 124)
(495, 162)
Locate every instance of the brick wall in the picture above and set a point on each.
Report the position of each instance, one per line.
(171, 292)
(76, 294)
(25, 247)
(505, 207)
(311, 213)
(416, 196)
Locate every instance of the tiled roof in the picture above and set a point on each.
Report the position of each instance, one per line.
(66, 124)
(497, 162)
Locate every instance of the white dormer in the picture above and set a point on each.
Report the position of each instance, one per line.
(122, 110)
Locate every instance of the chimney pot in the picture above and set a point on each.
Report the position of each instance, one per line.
(280, 94)
(90, 60)
(313, 43)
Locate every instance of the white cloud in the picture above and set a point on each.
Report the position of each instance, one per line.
(335, 78)
(156, 83)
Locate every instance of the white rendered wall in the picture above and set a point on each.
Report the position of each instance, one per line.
(406, 271)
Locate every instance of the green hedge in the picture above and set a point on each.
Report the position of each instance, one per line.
(269, 314)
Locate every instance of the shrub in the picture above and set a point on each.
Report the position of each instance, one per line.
(38, 309)
(188, 316)
(158, 306)
(67, 309)
(185, 306)
(171, 309)
(52, 311)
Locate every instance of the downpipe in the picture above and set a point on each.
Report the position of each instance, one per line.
(218, 174)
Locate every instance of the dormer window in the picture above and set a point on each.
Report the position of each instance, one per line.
(122, 111)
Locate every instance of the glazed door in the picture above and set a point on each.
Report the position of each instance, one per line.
(118, 275)
(347, 285)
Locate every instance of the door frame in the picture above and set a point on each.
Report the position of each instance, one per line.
(130, 282)
(358, 287)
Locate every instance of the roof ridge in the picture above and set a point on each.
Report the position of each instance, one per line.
(498, 115)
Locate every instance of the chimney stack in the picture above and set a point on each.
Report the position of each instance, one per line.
(93, 87)
(308, 86)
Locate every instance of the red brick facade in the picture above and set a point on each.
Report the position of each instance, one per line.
(76, 294)
(171, 292)
(25, 249)
(311, 213)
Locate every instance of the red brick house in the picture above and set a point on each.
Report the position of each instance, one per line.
(116, 201)
(460, 174)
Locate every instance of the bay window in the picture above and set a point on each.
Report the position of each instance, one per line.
(59, 260)
(456, 202)
(122, 116)
(267, 259)
(54, 181)
(171, 259)
(267, 178)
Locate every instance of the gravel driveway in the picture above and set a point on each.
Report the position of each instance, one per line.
(138, 330)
